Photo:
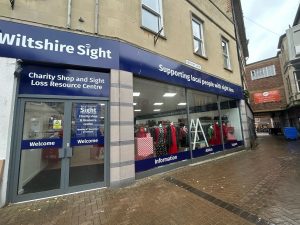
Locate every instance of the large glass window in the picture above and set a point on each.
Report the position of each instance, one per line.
(152, 15)
(231, 123)
(174, 124)
(161, 126)
(204, 126)
(197, 27)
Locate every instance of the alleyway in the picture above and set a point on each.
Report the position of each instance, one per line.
(260, 186)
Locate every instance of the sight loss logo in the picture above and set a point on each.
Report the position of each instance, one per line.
(23, 41)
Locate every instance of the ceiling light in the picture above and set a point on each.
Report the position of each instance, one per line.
(134, 103)
(182, 103)
(136, 94)
(169, 94)
(102, 104)
(137, 110)
(156, 110)
(158, 103)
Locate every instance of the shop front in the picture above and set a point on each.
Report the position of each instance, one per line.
(67, 122)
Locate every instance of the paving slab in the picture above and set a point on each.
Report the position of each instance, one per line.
(260, 186)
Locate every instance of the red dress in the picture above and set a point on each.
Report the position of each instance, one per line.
(216, 138)
(173, 148)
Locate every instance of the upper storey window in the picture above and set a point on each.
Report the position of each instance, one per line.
(197, 27)
(152, 17)
(263, 72)
(297, 77)
(225, 51)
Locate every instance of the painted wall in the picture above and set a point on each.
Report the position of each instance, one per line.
(7, 100)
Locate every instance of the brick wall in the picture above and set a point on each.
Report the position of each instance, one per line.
(224, 6)
(266, 84)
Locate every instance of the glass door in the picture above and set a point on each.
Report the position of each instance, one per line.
(61, 147)
(41, 145)
(87, 143)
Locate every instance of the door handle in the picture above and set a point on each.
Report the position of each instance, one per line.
(68, 152)
(61, 153)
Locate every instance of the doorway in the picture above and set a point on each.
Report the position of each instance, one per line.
(60, 147)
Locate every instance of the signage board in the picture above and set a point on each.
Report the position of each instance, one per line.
(41, 44)
(52, 81)
(267, 96)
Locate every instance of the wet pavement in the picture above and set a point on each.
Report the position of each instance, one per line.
(260, 186)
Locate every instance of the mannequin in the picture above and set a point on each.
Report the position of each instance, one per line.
(172, 139)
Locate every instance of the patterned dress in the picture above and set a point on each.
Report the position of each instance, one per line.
(161, 144)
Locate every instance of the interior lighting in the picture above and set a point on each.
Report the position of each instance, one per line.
(156, 110)
(182, 103)
(137, 110)
(134, 103)
(169, 94)
(136, 94)
(158, 103)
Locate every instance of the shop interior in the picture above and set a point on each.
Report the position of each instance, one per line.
(162, 126)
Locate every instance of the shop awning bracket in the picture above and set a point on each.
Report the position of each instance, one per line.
(156, 36)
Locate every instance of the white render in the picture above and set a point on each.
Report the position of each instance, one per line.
(8, 84)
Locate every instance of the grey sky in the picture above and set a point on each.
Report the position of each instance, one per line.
(265, 21)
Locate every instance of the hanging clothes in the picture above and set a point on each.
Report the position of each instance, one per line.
(172, 139)
(216, 138)
(160, 143)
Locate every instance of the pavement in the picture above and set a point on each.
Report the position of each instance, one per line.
(260, 186)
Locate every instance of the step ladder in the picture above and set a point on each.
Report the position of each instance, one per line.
(195, 129)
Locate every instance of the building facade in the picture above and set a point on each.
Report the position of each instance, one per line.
(289, 45)
(266, 93)
(92, 98)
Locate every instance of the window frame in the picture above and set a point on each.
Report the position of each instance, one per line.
(227, 55)
(158, 15)
(263, 72)
(200, 40)
(297, 81)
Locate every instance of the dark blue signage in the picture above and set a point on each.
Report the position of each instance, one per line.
(233, 144)
(54, 46)
(41, 143)
(146, 164)
(50, 81)
(87, 141)
(28, 42)
(206, 151)
(149, 65)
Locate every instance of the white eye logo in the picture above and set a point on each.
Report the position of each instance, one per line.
(265, 94)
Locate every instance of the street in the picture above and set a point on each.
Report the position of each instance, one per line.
(260, 186)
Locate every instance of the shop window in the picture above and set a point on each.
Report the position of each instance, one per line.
(161, 126)
(205, 132)
(198, 39)
(225, 52)
(152, 17)
(231, 123)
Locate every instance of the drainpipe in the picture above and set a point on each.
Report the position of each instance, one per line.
(96, 16)
(69, 14)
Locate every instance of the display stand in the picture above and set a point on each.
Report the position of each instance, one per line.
(195, 129)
